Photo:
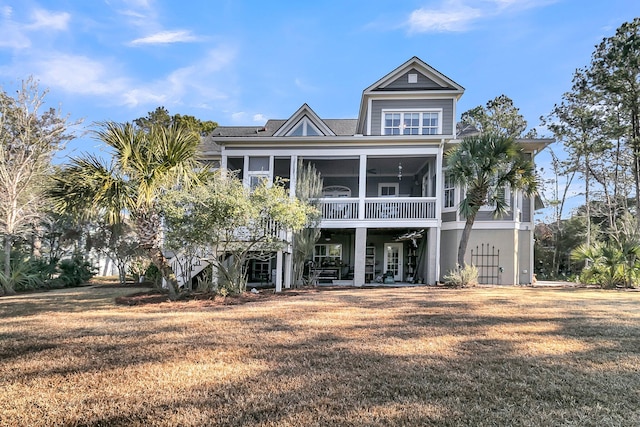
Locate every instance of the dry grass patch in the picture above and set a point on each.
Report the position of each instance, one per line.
(412, 356)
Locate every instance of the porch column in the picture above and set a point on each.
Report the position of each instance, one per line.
(293, 176)
(278, 271)
(433, 256)
(359, 256)
(362, 193)
(287, 270)
(439, 183)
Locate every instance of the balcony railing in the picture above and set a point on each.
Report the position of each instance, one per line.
(379, 208)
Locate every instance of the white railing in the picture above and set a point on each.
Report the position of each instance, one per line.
(340, 208)
(266, 228)
(391, 208)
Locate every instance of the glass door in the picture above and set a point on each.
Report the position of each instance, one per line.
(393, 260)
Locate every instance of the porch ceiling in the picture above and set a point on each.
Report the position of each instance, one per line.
(375, 166)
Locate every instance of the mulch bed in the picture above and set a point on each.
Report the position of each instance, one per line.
(209, 298)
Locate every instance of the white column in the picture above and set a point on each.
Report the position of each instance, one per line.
(439, 183)
(359, 256)
(362, 189)
(433, 256)
(278, 271)
(434, 233)
(287, 270)
(293, 176)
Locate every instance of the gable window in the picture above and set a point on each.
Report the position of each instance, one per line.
(411, 123)
(304, 128)
(449, 193)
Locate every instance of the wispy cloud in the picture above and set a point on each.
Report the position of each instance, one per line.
(17, 35)
(78, 74)
(166, 37)
(460, 15)
(198, 78)
(12, 36)
(44, 19)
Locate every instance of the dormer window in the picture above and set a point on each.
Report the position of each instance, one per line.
(304, 128)
(412, 122)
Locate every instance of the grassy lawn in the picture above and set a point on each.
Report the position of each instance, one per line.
(356, 357)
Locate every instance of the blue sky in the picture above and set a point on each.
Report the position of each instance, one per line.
(242, 62)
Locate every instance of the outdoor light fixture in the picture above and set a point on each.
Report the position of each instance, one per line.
(399, 171)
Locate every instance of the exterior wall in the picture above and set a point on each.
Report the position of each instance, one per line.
(402, 83)
(449, 216)
(487, 215)
(525, 274)
(503, 240)
(449, 240)
(526, 209)
(406, 186)
(445, 104)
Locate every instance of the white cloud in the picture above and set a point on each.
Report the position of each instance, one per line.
(260, 118)
(166, 37)
(300, 84)
(44, 19)
(195, 80)
(14, 35)
(447, 18)
(460, 15)
(238, 117)
(77, 75)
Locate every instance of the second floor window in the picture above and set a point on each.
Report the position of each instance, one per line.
(258, 171)
(411, 123)
(449, 193)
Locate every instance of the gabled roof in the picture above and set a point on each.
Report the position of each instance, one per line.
(413, 78)
(339, 127)
(304, 111)
(438, 80)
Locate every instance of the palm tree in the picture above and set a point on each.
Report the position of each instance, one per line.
(145, 163)
(485, 165)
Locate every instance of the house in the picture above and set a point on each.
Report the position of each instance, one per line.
(389, 212)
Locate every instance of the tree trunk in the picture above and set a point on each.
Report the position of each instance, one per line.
(464, 239)
(7, 285)
(148, 227)
(160, 261)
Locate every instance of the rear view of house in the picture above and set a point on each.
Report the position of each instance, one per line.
(389, 212)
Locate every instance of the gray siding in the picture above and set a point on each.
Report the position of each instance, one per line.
(402, 83)
(526, 209)
(449, 216)
(445, 104)
(488, 216)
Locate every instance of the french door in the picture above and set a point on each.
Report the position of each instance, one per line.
(393, 260)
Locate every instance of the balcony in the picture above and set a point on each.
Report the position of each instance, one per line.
(379, 208)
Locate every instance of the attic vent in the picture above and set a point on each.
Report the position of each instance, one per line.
(413, 78)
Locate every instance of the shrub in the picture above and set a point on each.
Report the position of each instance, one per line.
(466, 276)
(73, 272)
(24, 276)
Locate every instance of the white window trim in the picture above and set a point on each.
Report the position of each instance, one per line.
(318, 258)
(456, 194)
(306, 124)
(507, 197)
(411, 110)
(382, 185)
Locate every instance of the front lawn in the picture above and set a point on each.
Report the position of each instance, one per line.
(357, 357)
